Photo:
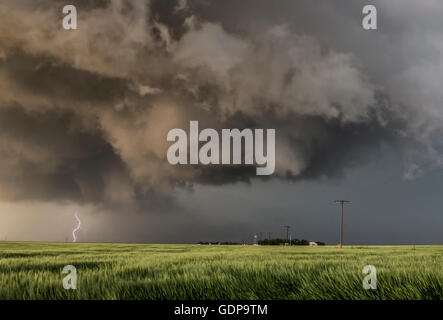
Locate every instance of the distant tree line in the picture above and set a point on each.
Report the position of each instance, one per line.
(293, 242)
(218, 242)
(268, 242)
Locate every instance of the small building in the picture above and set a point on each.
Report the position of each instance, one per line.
(313, 244)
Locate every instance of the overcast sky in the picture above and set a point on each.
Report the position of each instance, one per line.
(84, 116)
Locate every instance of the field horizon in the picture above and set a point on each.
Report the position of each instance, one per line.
(33, 270)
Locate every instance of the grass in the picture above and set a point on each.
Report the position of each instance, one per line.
(139, 271)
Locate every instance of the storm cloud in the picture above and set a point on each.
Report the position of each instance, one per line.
(84, 114)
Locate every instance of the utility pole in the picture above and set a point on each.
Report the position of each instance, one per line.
(287, 233)
(254, 239)
(269, 235)
(342, 202)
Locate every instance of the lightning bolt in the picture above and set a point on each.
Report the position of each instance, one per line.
(74, 236)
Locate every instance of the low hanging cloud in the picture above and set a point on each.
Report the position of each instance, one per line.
(85, 113)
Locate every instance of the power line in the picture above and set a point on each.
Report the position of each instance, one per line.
(342, 202)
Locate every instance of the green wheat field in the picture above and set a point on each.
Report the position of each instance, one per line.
(146, 271)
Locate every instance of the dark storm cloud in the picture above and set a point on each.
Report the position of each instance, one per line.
(59, 81)
(86, 112)
(44, 157)
(404, 56)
